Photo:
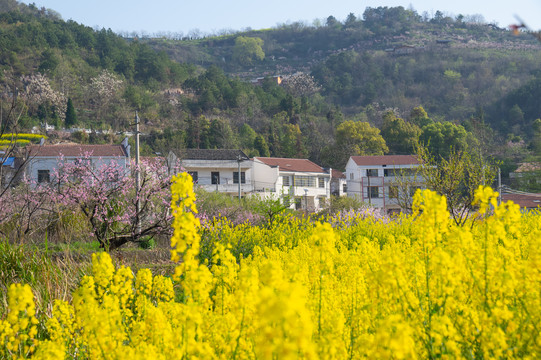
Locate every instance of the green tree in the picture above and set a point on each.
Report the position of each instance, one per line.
(357, 138)
(401, 137)
(443, 138)
(198, 132)
(351, 21)
(71, 115)
(290, 105)
(456, 177)
(221, 135)
(49, 62)
(261, 146)
(333, 23)
(247, 136)
(536, 141)
(291, 142)
(419, 117)
(516, 115)
(247, 50)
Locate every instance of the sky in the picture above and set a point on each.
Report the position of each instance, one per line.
(211, 16)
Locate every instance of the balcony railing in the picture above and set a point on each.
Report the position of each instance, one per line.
(225, 186)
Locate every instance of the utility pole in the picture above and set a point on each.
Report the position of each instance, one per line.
(499, 186)
(137, 178)
(306, 201)
(369, 192)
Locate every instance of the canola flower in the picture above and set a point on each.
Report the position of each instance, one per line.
(415, 288)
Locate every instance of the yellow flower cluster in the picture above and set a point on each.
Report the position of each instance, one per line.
(185, 225)
(420, 287)
(18, 332)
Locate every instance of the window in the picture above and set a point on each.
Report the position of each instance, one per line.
(236, 177)
(408, 172)
(345, 188)
(285, 181)
(44, 176)
(393, 192)
(351, 176)
(195, 176)
(215, 177)
(391, 172)
(321, 182)
(306, 181)
(373, 192)
(372, 172)
(298, 203)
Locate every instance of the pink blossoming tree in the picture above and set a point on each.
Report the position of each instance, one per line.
(104, 192)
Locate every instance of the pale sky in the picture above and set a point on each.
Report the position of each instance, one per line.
(210, 16)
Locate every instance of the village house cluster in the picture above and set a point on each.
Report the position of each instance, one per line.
(299, 183)
(385, 182)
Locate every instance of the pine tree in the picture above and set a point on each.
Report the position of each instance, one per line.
(71, 115)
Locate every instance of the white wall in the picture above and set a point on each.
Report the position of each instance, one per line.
(379, 180)
(52, 163)
(225, 168)
(266, 178)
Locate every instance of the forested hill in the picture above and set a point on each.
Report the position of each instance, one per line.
(383, 81)
(392, 56)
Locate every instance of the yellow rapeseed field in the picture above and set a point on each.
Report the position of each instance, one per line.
(418, 287)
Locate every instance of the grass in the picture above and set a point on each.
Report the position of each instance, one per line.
(50, 277)
(54, 269)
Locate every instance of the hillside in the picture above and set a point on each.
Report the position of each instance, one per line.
(468, 82)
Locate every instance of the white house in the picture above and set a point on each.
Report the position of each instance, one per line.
(299, 183)
(43, 160)
(382, 180)
(338, 183)
(217, 169)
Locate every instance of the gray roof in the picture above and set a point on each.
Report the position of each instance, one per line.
(211, 154)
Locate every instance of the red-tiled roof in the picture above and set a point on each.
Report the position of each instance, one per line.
(338, 174)
(524, 201)
(386, 160)
(300, 165)
(76, 150)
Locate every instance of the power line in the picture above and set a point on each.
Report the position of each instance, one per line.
(509, 190)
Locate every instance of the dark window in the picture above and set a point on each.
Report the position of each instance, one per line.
(236, 177)
(345, 188)
(194, 176)
(391, 172)
(373, 192)
(215, 177)
(372, 172)
(321, 182)
(44, 176)
(298, 203)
